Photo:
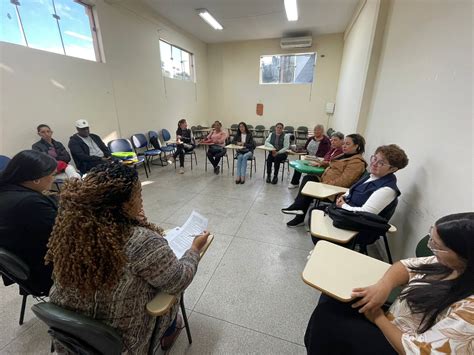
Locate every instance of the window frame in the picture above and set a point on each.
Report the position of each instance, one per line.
(260, 71)
(90, 13)
(191, 61)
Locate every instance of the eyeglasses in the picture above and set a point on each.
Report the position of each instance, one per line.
(379, 163)
(432, 244)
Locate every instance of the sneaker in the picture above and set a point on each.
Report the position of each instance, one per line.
(269, 179)
(292, 186)
(275, 180)
(181, 170)
(291, 210)
(296, 222)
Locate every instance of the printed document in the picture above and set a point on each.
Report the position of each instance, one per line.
(180, 239)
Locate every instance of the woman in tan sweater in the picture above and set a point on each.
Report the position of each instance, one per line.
(343, 171)
(109, 262)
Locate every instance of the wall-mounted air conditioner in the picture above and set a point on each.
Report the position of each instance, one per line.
(296, 42)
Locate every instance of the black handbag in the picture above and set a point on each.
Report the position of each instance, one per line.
(357, 221)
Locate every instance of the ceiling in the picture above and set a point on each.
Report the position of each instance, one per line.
(256, 19)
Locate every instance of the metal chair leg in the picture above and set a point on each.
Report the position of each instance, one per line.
(22, 310)
(387, 248)
(185, 318)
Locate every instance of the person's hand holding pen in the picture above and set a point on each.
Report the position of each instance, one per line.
(199, 241)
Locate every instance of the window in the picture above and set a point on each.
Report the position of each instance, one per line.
(287, 68)
(61, 26)
(176, 63)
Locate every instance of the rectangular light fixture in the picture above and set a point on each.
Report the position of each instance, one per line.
(206, 16)
(291, 10)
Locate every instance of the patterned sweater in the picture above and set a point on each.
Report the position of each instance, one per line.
(152, 267)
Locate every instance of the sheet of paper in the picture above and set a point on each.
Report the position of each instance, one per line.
(180, 239)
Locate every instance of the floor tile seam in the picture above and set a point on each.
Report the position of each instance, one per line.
(24, 331)
(269, 243)
(251, 329)
(212, 275)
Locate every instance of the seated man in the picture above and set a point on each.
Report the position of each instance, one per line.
(87, 149)
(343, 171)
(56, 150)
(280, 142)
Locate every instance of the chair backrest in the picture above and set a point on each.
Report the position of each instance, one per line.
(422, 247)
(289, 129)
(249, 126)
(165, 134)
(302, 129)
(259, 127)
(3, 162)
(272, 128)
(193, 128)
(139, 141)
(15, 269)
(120, 145)
(154, 139)
(77, 333)
(330, 131)
(234, 126)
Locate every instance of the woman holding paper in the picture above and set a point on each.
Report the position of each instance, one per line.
(434, 313)
(109, 262)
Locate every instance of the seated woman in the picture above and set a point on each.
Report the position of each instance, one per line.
(26, 214)
(337, 140)
(184, 143)
(243, 138)
(216, 151)
(109, 262)
(55, 149)
(434, 314)
(280, 142)
(343, 171)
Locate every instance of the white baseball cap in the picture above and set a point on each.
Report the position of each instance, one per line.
(82, 124)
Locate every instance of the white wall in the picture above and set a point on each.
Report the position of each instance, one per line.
(234, 89)
(423, 101)
(358, 43)
(122, 96)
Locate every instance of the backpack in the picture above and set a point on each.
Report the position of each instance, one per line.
(357, 221)
(154, 142)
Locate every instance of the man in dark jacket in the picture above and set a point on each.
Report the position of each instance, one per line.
(87, 149)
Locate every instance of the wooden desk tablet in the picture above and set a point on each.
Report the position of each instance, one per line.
(336, 271)
(162, 302)
(322, 191)
(321, 227)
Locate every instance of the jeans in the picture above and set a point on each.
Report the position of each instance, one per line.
(242, 163)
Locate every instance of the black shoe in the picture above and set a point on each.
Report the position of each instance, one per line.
(296, 222)
(275, 180)
(242, 182)
(238, 181)
(292, 210)
(216, 170)
(269, 179)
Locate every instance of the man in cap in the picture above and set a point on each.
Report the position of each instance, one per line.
(87, 149)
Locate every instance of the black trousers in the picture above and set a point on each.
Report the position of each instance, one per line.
(180, 151)
(335, 328)
(302, 202)
(215, 155)
(276, 161)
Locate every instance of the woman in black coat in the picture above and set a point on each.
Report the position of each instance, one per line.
(26, 214)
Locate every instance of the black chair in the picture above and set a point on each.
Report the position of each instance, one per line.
(78, 334)
(259, 133)
(165, 149)
(289, 129)
(124, 145)
(16, 270)
(301, 134)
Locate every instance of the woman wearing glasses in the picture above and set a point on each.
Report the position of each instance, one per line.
(434, 313)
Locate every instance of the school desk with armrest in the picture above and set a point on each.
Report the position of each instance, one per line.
(336, 271)
(162, 302)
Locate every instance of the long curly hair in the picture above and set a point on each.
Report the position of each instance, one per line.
(92, 226)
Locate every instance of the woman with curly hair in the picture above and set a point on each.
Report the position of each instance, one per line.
(109, 262)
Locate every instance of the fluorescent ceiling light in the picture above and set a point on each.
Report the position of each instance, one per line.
(206, 16)
(291, 10)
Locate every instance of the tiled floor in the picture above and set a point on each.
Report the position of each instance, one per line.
(248, 295)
